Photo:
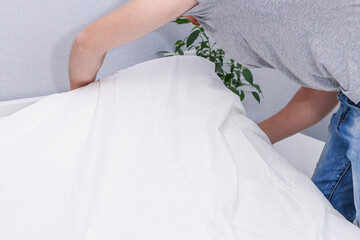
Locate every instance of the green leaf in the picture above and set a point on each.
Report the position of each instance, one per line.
(234, 90)
(227, 69)
(220, 74)
(193, 36)
(237, 74)
(179, 46)
(242, 95)
(248, 75)
(256, 96)
(182, 21)
(221, 59)
(221, 51)
(218, 67)
(195, 28)
(239, 84)
(257, 87)
(232, 68)
(163, 52)
(228, 77)
(204, 44)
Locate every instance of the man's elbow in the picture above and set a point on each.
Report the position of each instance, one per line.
(84, 42)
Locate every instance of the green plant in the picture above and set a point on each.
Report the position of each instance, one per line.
(230, 72)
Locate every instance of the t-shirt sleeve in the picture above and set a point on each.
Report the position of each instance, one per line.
(204, 8)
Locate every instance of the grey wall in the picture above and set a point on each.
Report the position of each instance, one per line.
(36, 38)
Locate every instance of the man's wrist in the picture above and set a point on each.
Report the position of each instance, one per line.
(263, 126)
(76, 84)
(84, 63)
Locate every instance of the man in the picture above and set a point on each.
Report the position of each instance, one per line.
(314, 42)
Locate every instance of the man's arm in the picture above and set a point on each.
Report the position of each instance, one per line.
(305, 109)
(131, 21)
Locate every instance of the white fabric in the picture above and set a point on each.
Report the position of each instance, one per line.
(158, 151)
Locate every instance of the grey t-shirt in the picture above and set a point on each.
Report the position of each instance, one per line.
(314, 42)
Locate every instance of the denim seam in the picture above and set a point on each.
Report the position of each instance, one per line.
(343, 117)
(339, 180)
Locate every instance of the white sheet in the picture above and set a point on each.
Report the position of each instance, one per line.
(160, 150)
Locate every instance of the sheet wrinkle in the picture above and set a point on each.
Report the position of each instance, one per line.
(247, 130)
(75, 192)
(11, 180)
(237, 200)
(280, 185)
(38, 124)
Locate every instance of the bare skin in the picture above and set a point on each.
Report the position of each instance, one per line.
(129, 22)
(306, 108)
(137, 18)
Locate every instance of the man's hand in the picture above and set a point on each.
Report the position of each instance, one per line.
(131, 21)
(305, 109)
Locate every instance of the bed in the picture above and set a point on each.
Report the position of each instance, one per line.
(160, 150)
(301, 150)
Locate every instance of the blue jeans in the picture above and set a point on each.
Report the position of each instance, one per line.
(337, 173)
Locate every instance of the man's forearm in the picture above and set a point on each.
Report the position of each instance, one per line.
(306, 108)
(84, 63)
(125, 24)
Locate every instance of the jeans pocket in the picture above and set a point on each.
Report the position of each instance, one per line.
(352, 104)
